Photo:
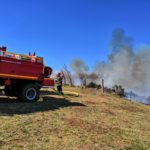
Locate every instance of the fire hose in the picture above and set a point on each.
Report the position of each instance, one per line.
(65, 93)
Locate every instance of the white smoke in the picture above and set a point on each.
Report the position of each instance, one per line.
(126, 67)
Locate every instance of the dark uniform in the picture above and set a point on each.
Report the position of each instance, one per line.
(59, 84)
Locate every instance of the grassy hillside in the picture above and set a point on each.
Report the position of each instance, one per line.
(92, 121)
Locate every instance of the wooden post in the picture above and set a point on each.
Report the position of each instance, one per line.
(102, 85)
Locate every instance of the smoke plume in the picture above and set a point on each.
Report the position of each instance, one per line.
(125, 66)
(80, 68)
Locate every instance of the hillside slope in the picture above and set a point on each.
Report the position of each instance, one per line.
(92, 121)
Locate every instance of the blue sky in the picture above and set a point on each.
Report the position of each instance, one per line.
(60, 30)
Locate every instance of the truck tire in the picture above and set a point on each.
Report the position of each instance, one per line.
(29, 93)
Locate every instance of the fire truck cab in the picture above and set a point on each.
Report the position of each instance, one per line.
(23, 75)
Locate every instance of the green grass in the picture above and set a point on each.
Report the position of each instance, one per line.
(92, 121)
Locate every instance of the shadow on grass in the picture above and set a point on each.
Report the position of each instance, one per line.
(10, 107)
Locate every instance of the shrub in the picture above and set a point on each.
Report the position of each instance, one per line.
(93, 85)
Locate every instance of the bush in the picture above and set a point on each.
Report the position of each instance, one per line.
(118, 90)
(93, 85)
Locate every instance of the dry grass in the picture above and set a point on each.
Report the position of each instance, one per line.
(92, 121)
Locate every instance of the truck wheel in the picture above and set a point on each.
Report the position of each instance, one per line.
(29, 93)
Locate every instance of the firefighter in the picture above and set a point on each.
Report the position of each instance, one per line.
(59, 79)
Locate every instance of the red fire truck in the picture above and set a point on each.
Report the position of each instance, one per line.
(23, 75)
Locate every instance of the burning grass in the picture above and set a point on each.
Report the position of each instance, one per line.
(90, 121)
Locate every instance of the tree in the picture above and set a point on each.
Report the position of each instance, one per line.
(93, 76)
(67, 76)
